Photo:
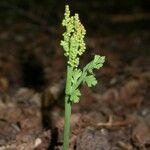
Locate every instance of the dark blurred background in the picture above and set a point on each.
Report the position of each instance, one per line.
(30, 33)
(95, 14)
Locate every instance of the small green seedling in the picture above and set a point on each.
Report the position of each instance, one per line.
(74, 46)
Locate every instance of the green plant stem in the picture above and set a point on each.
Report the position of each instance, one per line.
(68, 106)
(67, 123)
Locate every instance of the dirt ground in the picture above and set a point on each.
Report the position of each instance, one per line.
(114, 115)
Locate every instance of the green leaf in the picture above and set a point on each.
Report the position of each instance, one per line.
(75, 96)
(90, 80)
(96, 63)
(76, 75)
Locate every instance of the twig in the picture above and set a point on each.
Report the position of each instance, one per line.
(110, 123)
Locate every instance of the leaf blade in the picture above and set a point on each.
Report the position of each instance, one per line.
(75, 96)
(90, 80)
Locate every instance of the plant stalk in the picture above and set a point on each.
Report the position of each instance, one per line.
(68, 106)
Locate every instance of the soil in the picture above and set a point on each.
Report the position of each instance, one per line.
(114, 115)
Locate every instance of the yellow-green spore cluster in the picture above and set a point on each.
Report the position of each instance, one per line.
(73, 42)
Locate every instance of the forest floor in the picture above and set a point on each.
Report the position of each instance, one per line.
(114, 115)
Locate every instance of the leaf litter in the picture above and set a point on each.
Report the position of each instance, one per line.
(113, 115)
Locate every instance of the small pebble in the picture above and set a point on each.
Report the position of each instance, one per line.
(38, 141)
